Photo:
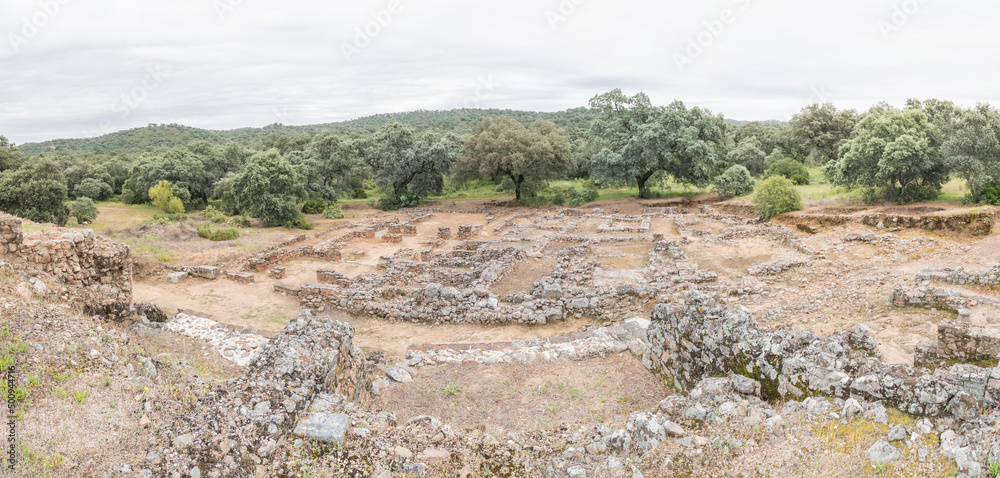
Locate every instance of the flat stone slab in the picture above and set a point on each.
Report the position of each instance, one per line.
(207, 272)
(176, 277)
(324, 427)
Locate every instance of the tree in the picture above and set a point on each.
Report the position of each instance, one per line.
(750, 155)
(972, 151)
(408, 165)
(788, 168)
(93, 189)
(639, 140)
(10, 156)
(84, 210)
(776, 195)
(503, 148)
(771, 137)
(331, 165)
(35, 191)
(182, 168)
(735, 181)
(268, 189)
(821, 130)
(893, 150)
(162, 196)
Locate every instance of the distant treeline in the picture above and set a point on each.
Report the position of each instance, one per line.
(272, 173)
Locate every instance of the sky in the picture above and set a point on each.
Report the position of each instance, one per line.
(82, 68)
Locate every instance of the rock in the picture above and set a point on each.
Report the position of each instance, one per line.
(852, 408)
(436, 454)
(696, 412)
(816, 405)
(432, 290)
(877, 413)
(619, 440)
(148, 369)
(648, 432)
(551, 291)
(745, 385)
(576, 471)
(639, 322)
(883, 452)
(398, 374)
(897, 433)
(427, 421)
(207, 272)
(39, 287)
(183, 440)
(964, 406)
(403, 452)
(176, 277)
(151, 312)
(672, 429)
(323, 427)
(450, 293)
(924, 426)
(144, 421)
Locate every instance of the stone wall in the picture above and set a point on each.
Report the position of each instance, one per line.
(959, 342)
(95, 271)
(987, 278)
(307, 373)
(704, 338)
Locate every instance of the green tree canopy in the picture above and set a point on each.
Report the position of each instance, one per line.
(35, 191)
(749, 154)
(10, 156)
(893, 150)
(972, 151)
(502, 148)
(638, 140)
(820, 130)
(268, 189)
(332, 165)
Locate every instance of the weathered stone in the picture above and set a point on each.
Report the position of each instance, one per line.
(324, 427)
(399, 374)
(882, 452)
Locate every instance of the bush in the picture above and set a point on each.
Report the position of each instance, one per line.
(304, 223)
(83, 209)
(775, 196)
(800, 180)
(735, 181)
(240, 221)
(333, 211)
(787, 168)
(359, 194)
(163, 198)
(314, 206)
(214, 215)
(227, 234)
(990, 194)
(164, 219)
(579, 198)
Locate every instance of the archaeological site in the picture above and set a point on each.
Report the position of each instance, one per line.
(636, 338)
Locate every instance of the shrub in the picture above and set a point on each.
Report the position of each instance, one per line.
(775, 196)
(990, 194)
(801, 180)
(164, 219)
(359, 194)
(162, 196)
(214, 215)
(83, 209)
(333, 211)
(787, 168)
(240, 221)
(304, 223)
(314, 206)
(226, 234)
(579, 198)
(735, 181)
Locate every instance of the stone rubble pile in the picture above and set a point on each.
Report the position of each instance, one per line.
(239, 347)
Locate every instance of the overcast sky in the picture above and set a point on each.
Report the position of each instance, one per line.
(75, 68)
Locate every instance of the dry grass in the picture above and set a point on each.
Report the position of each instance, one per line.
(529, 397)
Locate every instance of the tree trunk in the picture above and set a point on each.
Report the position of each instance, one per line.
(642, 183)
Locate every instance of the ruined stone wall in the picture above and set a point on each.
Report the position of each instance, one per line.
(986, 278)
(95, 271)
(959, 342)
(310, 370)
(705, 338)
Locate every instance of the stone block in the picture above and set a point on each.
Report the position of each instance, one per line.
(176, 277)
(206, 272)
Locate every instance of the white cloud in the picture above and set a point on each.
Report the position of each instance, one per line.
(262, 63)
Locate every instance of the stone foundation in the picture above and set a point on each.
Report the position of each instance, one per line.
(959, 342)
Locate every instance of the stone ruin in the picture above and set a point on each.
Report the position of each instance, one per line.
(704, 338)
(93, 271)
(299, 384)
